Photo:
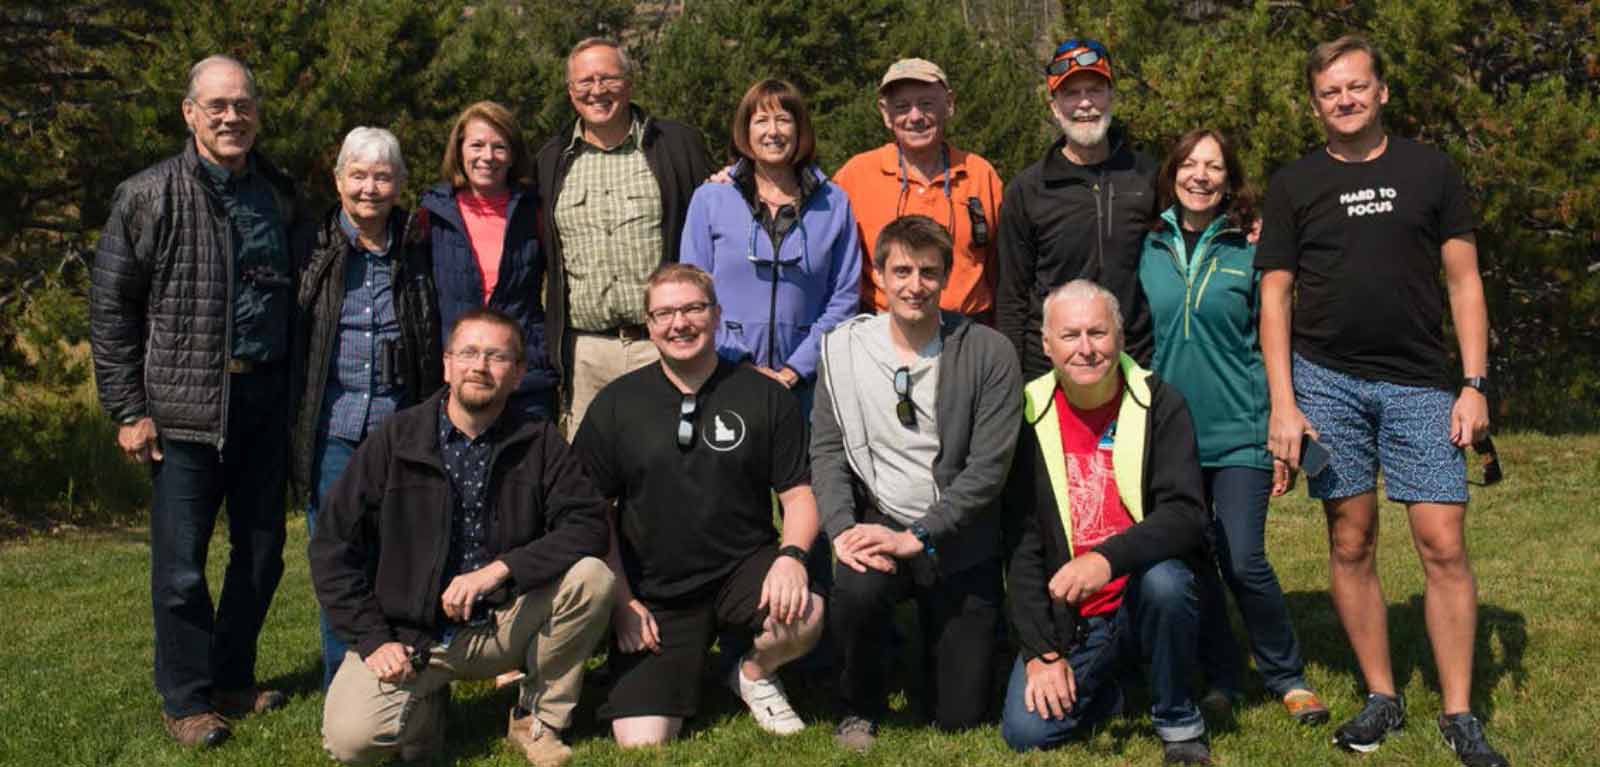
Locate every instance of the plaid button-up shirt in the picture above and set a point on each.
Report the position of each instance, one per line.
(608, 216)
(358, 398)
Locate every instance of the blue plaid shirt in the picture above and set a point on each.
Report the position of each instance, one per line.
(357, 398)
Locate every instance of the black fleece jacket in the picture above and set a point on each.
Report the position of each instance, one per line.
(1174, 522)
(379, 549)
(1060, 221)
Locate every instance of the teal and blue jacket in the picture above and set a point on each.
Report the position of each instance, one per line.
(1203, 310)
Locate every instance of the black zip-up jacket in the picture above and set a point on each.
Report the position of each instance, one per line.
(382, 540)
(1060, 221)
(1174, 524)
(319, 303)
(676, 155)
(161, 296)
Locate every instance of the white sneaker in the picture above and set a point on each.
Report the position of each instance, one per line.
(767, 702)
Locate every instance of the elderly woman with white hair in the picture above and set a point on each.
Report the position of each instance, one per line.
(367, 335)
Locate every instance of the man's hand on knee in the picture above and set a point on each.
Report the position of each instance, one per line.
(391, 663)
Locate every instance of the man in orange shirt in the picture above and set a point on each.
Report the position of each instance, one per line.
(919, 172)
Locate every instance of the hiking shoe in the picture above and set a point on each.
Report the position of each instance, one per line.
(238, 704)
(1379, 717)
(1305, 707)
(1217, 704)
(206, 730)
(855, 734)
(766, 701)
(1192, 751)
(538, 742)
(1464, 734)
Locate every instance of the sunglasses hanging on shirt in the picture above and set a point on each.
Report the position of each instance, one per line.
(686, 412)
(903, 409)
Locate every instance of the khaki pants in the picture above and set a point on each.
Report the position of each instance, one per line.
(599, 359)
(549, 631)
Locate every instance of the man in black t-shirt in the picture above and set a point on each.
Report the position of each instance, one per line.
(692, 450)
(1354, 237)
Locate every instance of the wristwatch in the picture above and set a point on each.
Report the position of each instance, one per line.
(1481, 383)
(921, 534)
(795, 552)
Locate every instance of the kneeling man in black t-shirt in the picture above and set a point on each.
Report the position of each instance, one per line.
(692, 449)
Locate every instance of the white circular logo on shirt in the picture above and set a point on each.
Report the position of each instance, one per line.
(723, 431)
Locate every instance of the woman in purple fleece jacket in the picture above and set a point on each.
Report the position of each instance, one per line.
(779, 241)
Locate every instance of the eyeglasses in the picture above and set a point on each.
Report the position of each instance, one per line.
(472, 354)
(1490, 461)
(686, 412)
(596, 83)
(1061, 63)
(904, 410)
(219, 107)
(690, 311)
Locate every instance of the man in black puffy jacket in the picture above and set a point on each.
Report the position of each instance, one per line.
(190, 306)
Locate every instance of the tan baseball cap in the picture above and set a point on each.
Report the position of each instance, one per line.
(921, 70)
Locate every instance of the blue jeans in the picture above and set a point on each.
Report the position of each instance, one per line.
(331, 455)
(1238, 495)
(201, 648)
(1156, 624)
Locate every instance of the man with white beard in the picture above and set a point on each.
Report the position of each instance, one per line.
(1080, 212)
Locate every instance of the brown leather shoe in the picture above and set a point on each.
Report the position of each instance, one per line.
(540, 744)
(205, 730)
(238, 704)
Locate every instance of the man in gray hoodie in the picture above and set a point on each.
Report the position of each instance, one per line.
(914, 426)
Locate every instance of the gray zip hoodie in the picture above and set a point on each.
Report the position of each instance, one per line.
(978, 408)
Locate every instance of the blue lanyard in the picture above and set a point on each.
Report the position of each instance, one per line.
(905, 185)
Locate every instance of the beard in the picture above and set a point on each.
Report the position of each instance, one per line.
(473, 400)
(1088, 135)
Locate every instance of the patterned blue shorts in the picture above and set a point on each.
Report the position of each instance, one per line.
(1365, 424)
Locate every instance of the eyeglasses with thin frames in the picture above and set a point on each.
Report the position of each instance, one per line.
(695, 310)
(587, 85)
(687, 408)
(903, 409)
(219, 107)
(472, 354)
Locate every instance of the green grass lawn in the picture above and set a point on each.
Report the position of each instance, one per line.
(75, 656)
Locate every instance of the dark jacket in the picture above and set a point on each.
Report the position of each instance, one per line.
(161, 296)
(678, 158)
(379, 551)
(516, 290)
(319, 302)
(1060, 221)
(978, 409)
(1158, 480)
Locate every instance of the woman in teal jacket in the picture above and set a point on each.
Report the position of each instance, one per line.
(1197, 272)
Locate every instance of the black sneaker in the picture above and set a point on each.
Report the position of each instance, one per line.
(1464, 734)
(1381, 716)
(1194, 751)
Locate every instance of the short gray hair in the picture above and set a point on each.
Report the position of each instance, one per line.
(602, 42)
(213, 60)
(364, 144)
(1083, 290)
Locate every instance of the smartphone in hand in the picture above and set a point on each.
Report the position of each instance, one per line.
(1313, 456)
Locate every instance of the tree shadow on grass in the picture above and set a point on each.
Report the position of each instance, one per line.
(1323, 641)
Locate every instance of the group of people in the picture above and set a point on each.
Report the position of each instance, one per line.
(1050, 412)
